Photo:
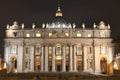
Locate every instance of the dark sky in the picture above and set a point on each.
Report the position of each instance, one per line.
(78, 11)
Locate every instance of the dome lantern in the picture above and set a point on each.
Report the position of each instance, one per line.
(59, 12)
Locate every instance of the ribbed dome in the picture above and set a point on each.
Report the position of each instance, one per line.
(59, 22)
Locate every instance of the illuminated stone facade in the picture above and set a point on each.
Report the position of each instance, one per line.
(58, 46)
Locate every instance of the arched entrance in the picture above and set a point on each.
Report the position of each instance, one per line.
(103, 63)
(13, 61)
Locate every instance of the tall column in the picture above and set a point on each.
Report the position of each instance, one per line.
(75, 61)
(20, 58)
(85, 58)
(42, 58)
(97, 59)
(7, 52)
(63, 60)
(71, 59)
(53, 59)
(110, 55)
(46, 58)
(32, 58)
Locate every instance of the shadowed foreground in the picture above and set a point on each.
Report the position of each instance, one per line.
(56, 76)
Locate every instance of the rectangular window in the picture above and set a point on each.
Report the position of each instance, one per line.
(38, 35)
(67, 34)
(89, 35)
(79, 35)
(50, 34)
(38, 50)
(27, 35)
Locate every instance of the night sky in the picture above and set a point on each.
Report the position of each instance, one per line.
(78, 11)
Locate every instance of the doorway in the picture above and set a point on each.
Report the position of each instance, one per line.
(58, 66)
(13, 61)
(103, 63)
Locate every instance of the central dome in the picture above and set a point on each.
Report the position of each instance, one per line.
(58, 22)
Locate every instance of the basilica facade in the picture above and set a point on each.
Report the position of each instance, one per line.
(58, 46)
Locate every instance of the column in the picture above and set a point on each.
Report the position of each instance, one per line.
(85, 58)
(97, 59)
(53, 59)
(63, 60)
(46, 58)
(75, 61)
(20, 58)
(42, 58)
(32, 58)
(110, 55)
(71, 60)
(7, 52)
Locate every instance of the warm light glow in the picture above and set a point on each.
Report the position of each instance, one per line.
(38, 34)
(50, 34)
(50, 57)
(0, 68)
(79, 35)
(59, 12)
(58, 57)
(108, 26)
(47, 25)
(22, 26)
(15, 70)
(74, 25)
(37, 63)
(58, 25)
(67, 34)
(115, 66)
(37, 57)
(8, 26)
(83, 25)
(63, 25)
(69, 25)
(43, 25)
(27, 35)
(94, 25)
(33, 26)
(89, 35)
(5, 66)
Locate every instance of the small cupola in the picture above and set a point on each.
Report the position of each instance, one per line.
(59, 12)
